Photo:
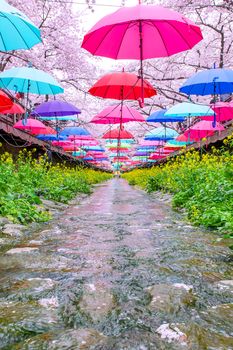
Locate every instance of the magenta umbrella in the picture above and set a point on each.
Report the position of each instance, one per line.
(118, 114)
(202, 129)
(141, 32)
(223, 110)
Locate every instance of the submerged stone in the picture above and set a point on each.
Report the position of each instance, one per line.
(21, 250)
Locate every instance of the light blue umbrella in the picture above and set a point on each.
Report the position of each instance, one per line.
(188, 109)
(16, 29)
(161, 133)
(29, 80)
(64, 118)
(93, 148)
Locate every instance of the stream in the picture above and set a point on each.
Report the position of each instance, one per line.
(119, 271)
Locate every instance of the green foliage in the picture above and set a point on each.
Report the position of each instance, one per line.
(202, 184)
(24, 181)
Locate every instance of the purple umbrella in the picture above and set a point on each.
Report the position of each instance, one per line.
(56, 108)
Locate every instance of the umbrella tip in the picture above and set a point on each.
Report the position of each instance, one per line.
(140, 102)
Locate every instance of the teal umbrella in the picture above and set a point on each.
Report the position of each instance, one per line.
(188, 109)
(29, 80)
(161, 133)
(16, 29)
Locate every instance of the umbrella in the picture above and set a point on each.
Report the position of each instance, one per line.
(188, 109)
(151, 143)
(121, 86)
(29, 80)
(14, 109)
(16, 29)
(223, 110)
(161, 133)
(141, 32)
(58, 118)
(55, 108)
(79, 153)
(118, 134)
(5, 102)
(93, 148)
(160, 117)
(32, 125)
(117, 114)
(48, 137)
(74, 131)
(202, 129)
(209, 82)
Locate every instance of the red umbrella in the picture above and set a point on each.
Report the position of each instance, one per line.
(118, 134)
(14, 109)
(121, 86)
(5, 101)
(141, 32)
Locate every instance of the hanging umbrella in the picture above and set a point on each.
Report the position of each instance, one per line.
(14, 109)
(214, 81)
(151, 143)
(188, 109)
(79, 153)
(117, 114)
(58, 118)
(74, 131)
(161, 133)
(29, 80)
(160, 117)
(202, 130)
(48, 137)
(118, 134)
(141, 32)
(223, 110)
(32, 125)
(16, 29)
(5, 102)
(93, 148)
(121, 86)
(55, 108)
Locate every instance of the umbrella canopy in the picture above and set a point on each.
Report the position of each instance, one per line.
(223, 111)
(56, 108)
(188, 109)
(48, 137)
(161, 133)
(202, 129)
(160, 117)
(121, 86)
(79, 153)
(16, 29)
(209, 82)
(14, 109)
(162, 33)
(93, 148)
(151, 143)
(58, 118)
(118, 134)
(5, 102)
(117, 114)
(29, 80)
(32, 125)
(74, 131)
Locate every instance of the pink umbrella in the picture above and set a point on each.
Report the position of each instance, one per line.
(81, 137)
(118, 114)
(202, 129)
(223, 110)
(32, 125)
(141, 32)
(152, 143)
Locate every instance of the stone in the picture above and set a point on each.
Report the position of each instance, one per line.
(21, 250)
(14, 230)
(49, 302)
(4, 221)
(170, 298)
(53, 205)
(171, 333)
(96, 301)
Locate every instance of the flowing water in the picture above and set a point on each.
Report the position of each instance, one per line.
(119, 271)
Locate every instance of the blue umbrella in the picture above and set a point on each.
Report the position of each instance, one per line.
(161, 117)
(161, 133)
(50, 137)
(93, 148)
(188, 109)
(29, 80)
(209, 82)
(16, 29)
(74, 131)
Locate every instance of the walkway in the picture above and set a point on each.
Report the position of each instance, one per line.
(120, 271)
